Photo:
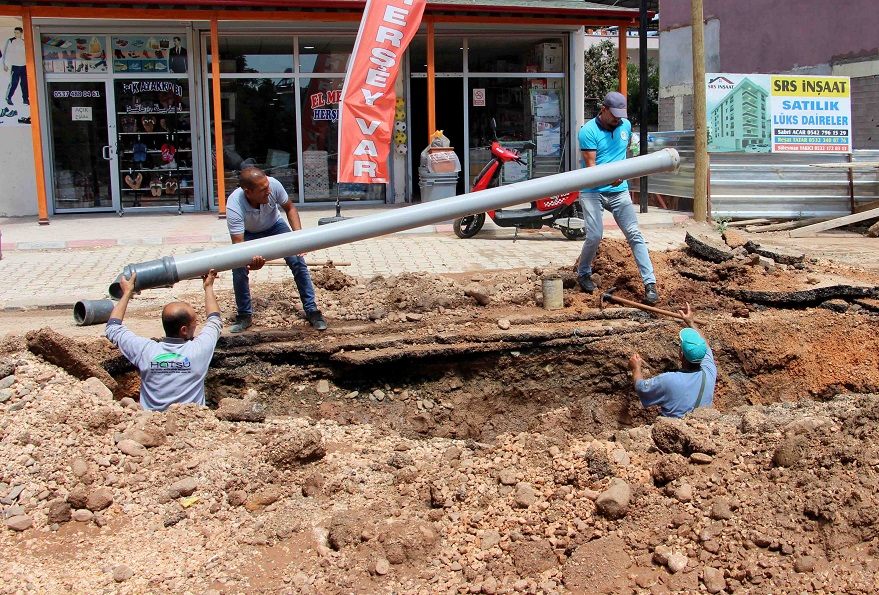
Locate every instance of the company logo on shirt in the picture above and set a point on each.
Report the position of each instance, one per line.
(624, 135)
(170, 363)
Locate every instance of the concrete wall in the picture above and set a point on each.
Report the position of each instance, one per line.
(17, 177)
(809, 37)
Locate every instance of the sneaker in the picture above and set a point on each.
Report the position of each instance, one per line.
(651, 296)
(586, 283)
(242, 323)
(317, 320)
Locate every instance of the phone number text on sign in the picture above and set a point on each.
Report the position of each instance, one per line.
(62, 94)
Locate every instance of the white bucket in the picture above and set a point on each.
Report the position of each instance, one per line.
(553, 293)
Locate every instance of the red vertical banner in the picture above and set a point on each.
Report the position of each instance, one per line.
(366, 112)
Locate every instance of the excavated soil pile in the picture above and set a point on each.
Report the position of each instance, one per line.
(448, 435)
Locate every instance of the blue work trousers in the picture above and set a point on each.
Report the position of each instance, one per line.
(620, 205)
(241, 281)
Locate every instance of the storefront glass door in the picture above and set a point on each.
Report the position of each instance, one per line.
(81, 152)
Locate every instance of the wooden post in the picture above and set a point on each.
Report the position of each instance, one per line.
(700, 181)
(431, 83)
(218, 117)
(34, 96)
(623, 61)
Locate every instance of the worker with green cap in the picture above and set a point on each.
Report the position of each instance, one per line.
(678, 393)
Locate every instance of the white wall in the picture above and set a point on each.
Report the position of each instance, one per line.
(17, 178)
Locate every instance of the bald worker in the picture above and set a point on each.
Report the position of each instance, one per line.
(171, 370)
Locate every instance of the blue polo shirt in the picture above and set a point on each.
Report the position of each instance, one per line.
(609, 146)
(676, 392)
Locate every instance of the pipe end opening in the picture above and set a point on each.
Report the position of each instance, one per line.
(79, 313)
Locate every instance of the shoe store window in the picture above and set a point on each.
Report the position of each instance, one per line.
(119, 121)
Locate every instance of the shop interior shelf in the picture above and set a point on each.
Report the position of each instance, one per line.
(168, 113)
(157, 132)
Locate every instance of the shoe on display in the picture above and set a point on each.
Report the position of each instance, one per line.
(26, 120)
(651, 296)
(242, 323)
(316, 319)
(4, 112)
(586, 283)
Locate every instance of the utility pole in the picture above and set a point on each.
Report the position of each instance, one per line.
(700, 181)
(642, 64)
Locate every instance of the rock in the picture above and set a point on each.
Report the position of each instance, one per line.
(533, 557)
(733, 238)
(66, 353)
(241, 410)
(7, 381)
(753, 422)
(129, 403)
(413, 316)
(147, 435)
(481, 298)
(684, 493)
(380, 567)
(99, 499)
(507, 477)
(312, 485)
(804, 564)
(596, 566)
(122, 573)
(490, 538)
(409, 541)
(78, 496)
(504, 324)
(489, 586)
(292, 450)
(264, 497)
(873, 231)
(676, 562)
(59, 512)
(525, 495)
(700, 458)
(236, 497)
(82, 515)
(621, 457)
(323, 386)
(672, 436)
(713, 579)
(720, 510)
(182, 488)
(789, 452)
(20, 522)
(5, 394)
(132, 448)
(669, 468)
(345, 529)
(94, 386)
(614, 501)
(708, 247)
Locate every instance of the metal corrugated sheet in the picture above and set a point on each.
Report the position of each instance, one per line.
(769, 184)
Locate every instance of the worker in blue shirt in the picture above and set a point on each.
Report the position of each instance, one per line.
(605, 139)
(678, 393)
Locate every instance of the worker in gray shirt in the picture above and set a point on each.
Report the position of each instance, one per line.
(253, 211)
(171, 370)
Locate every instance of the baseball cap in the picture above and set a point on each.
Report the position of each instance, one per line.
(693, 346)
(616, 103)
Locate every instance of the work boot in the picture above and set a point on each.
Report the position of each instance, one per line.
(586, 283)
(317, 320)
(242, 323)
(651, 296)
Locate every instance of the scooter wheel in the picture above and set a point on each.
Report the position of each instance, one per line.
(469, 226)
(576, 210)
(574, 234)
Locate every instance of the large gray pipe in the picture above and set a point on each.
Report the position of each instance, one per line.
(166, 271)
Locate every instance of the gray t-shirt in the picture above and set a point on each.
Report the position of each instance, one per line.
(171, 370)
(677, 392)
(241, 217)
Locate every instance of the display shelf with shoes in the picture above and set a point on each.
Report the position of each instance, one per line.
(154, 139)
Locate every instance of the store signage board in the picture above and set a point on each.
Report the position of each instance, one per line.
(478, 97)
(366, 114)
(761, 113)
(81, 114)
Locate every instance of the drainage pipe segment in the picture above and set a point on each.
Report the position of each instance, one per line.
(164, 272)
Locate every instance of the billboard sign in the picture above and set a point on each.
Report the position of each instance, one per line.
(761, 113)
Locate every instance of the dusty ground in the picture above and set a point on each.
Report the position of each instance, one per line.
(449, 435)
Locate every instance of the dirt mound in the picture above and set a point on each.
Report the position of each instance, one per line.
(382, 512)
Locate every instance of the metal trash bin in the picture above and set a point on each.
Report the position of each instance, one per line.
(436, 186)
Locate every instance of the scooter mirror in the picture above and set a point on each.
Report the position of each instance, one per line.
(529, 145)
